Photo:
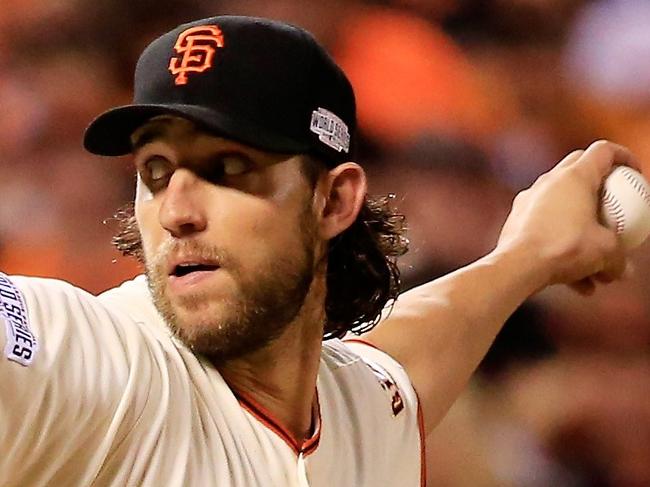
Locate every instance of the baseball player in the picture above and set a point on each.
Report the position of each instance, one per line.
(259, 242)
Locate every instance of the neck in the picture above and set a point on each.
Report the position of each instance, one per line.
(281, 377)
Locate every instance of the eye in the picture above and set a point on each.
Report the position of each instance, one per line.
(155, 172)
(158, 168)
(234, 165)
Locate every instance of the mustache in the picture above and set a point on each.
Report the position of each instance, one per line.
(195, 248)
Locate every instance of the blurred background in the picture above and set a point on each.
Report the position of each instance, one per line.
(461, 103)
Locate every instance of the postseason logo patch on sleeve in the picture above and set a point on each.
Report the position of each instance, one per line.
(21, 344)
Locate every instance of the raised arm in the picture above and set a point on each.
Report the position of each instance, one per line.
(441, 330)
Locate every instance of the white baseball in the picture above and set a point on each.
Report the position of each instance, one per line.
(625, 205)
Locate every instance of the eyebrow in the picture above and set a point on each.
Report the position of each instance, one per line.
(148, 135)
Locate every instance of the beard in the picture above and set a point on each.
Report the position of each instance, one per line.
(269, 298)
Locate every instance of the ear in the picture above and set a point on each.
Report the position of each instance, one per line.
(343, 190)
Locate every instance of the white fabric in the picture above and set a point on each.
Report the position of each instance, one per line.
(110, 399)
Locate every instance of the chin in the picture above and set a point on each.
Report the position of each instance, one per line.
(204, 317)
(213, 329)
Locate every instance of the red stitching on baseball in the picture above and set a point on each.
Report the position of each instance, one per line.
(613, 207)
(636, 184)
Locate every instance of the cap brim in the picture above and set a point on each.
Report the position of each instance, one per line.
(110, 133)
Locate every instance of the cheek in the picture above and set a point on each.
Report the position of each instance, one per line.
(146, 213)
(151, 233)
(262, 228)
(142, 193)
(253, 225)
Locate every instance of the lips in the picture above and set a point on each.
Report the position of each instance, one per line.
(189, 275)
(185, 272)
(183, 269)
(181, 265)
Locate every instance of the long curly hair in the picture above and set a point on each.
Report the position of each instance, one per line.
(362, 274)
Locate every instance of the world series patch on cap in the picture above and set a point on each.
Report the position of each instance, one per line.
(264, 83)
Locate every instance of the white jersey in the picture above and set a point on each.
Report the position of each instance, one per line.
(96, 391)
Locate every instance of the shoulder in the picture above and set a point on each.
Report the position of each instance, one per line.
(133, 299)
(357, 362)
(69, 325)
(367, 399)
(97, 377)
(49, 303)
(132, 296)
(355, 351)
(336, 354)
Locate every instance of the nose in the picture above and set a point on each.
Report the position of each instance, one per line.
(181, 212)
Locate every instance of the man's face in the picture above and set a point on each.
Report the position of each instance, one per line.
(228, 235)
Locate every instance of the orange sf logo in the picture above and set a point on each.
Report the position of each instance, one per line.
(197, 46)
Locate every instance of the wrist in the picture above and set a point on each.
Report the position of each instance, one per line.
(523, 262)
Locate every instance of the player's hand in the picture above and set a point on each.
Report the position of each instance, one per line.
(556, 221)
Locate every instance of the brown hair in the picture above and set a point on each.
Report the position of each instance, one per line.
(362, 272)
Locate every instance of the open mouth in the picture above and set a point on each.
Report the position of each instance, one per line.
(182, 270)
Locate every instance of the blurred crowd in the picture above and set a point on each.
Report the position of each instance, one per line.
(461, 104)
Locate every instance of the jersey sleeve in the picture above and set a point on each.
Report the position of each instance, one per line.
(66, 381)
(407, 429)
(390, 374)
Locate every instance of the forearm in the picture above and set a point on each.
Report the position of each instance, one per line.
(441, 330)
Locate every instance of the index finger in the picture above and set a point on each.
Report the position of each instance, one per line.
(601, 156)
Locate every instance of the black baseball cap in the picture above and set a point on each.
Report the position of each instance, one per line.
(264, 83)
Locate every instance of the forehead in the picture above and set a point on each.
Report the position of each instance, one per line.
(185, 135)
(163, 127)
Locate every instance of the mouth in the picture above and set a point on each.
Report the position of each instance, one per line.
(188, 268)
(192, 270)
(189, 276)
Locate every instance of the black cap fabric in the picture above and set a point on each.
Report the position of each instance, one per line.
(267, 84)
